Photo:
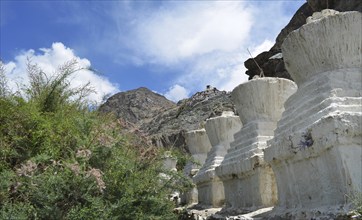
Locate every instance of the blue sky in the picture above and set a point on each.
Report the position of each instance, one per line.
(174, 48)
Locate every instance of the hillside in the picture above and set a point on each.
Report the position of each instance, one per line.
(163, 121)
(137, 106)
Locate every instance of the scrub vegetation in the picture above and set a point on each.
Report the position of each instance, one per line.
(61, 159)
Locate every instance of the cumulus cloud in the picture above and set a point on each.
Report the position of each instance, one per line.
(222, 70)
(49, 59)
(201, 42)
(206, 41)
(178, 31)
(265, 46)
(176, 93)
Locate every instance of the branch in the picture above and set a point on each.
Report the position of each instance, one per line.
(261, 70)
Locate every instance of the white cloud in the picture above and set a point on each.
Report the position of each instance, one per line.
(201, 42)
(176, 93)
(206, 41)
(180, 31)
(265, 46)
(49, 59)
(222, 70)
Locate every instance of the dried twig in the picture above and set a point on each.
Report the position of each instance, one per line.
(261, 70)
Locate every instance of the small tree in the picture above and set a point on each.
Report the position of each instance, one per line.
(4, 90)
(53, 92)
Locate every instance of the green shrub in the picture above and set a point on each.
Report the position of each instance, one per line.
(58, 160)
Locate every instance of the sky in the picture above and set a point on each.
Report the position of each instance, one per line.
(174, 48)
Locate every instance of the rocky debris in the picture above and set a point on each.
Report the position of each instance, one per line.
(163, 121)
(275, 67)
(197, 213)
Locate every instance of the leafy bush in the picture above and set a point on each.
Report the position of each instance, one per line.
(58, 160)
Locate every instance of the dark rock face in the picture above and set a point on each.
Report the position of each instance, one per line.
(275, 67)
(339, 5)
(163, 121)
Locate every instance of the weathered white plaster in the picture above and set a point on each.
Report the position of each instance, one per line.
(169, 162)
(322, 14)
(316, 153)
(220, 131)
(169, 165)
(198, 145)
(248, 181)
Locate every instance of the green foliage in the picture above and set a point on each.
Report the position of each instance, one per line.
(58, 160)
(52, 93)
(3, 82)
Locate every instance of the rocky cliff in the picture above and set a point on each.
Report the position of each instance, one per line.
(273, 64)
(163, 121)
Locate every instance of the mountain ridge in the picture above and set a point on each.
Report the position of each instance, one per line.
(165, 122)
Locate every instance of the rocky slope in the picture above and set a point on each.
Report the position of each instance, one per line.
(274, 66)
(137, 105)
(163, 121)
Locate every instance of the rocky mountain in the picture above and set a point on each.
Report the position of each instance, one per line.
(271, 62)
(163, 121)
(137, 105)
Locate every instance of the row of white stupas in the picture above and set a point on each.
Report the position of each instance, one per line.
(294, 146)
